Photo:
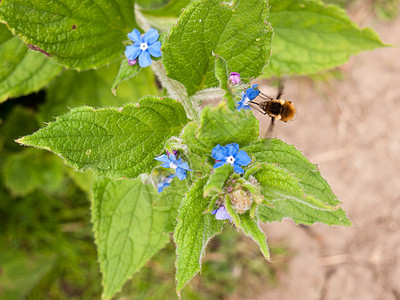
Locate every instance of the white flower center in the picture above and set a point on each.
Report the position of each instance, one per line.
(173, 166)
(246, 100)
(144, 46)
(230, 160)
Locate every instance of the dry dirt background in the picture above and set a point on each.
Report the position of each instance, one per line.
(351, 129)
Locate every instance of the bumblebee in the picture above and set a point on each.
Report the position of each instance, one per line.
(276, 108)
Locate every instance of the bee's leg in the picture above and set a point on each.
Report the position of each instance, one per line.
(270, 128)
(264, 96)
(281, 85)
(257, 107)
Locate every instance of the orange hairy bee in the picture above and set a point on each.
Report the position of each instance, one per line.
(276, 108)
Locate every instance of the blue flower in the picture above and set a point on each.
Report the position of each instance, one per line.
(230, 154)
(143, 46)
(166, 182)
(250, 94)
(244, 102)
(253, 92)
(170, 161)
(221, 214)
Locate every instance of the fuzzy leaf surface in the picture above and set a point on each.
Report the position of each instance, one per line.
(192, 233)
(310, 37)
(250, 227)
(294, 186)
(72, 89)
(217, 180)
(116, 142)
(220, 125)
(125, 72)
(130, 226)
(22, 71)
(239, 33)
(78, 34)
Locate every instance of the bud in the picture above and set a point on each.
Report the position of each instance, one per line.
(241, 201)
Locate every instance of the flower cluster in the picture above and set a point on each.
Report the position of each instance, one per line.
(170, 161)
(143, 47)
(230, 154)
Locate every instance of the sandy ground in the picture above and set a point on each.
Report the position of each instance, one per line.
(351, 129)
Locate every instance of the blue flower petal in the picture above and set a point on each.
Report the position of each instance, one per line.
(166, 182)
(184, 166)
(165, 165)
(134, 36)
(238, 169)
(151, 36)
(172, 158)
(132, 52)
(181, 173)
(214, 211)
(144, 59)
(163, 158)
(219, 164)
(222, 214)
(232, 149)
(155, 49)
(253, 92)
(219, 152)
(242, 158)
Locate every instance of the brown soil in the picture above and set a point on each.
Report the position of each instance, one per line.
(351, 129)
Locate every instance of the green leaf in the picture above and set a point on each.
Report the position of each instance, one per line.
(78, 34)
(172, 9)
(28, 170)
(125, 72)
(310, 37)
(192, 233)
(22, 71)
(220, 125)
(217, 180)
(250, 227)
(20, 272)
(92, 88)
(240, 34)
(222, 72)
(130, 226)
(294, 186)
(117, 142)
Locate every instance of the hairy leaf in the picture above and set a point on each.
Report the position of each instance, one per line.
(117, 142)
(22, 71)
(294, 186)
(192, 233)
(130, 226)
(172, 9)
(221, 126)
(125, 72)
(250, 227)
(240, 34)
(72, 89)
(78, 34)
(310, 37)
(217, 180)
